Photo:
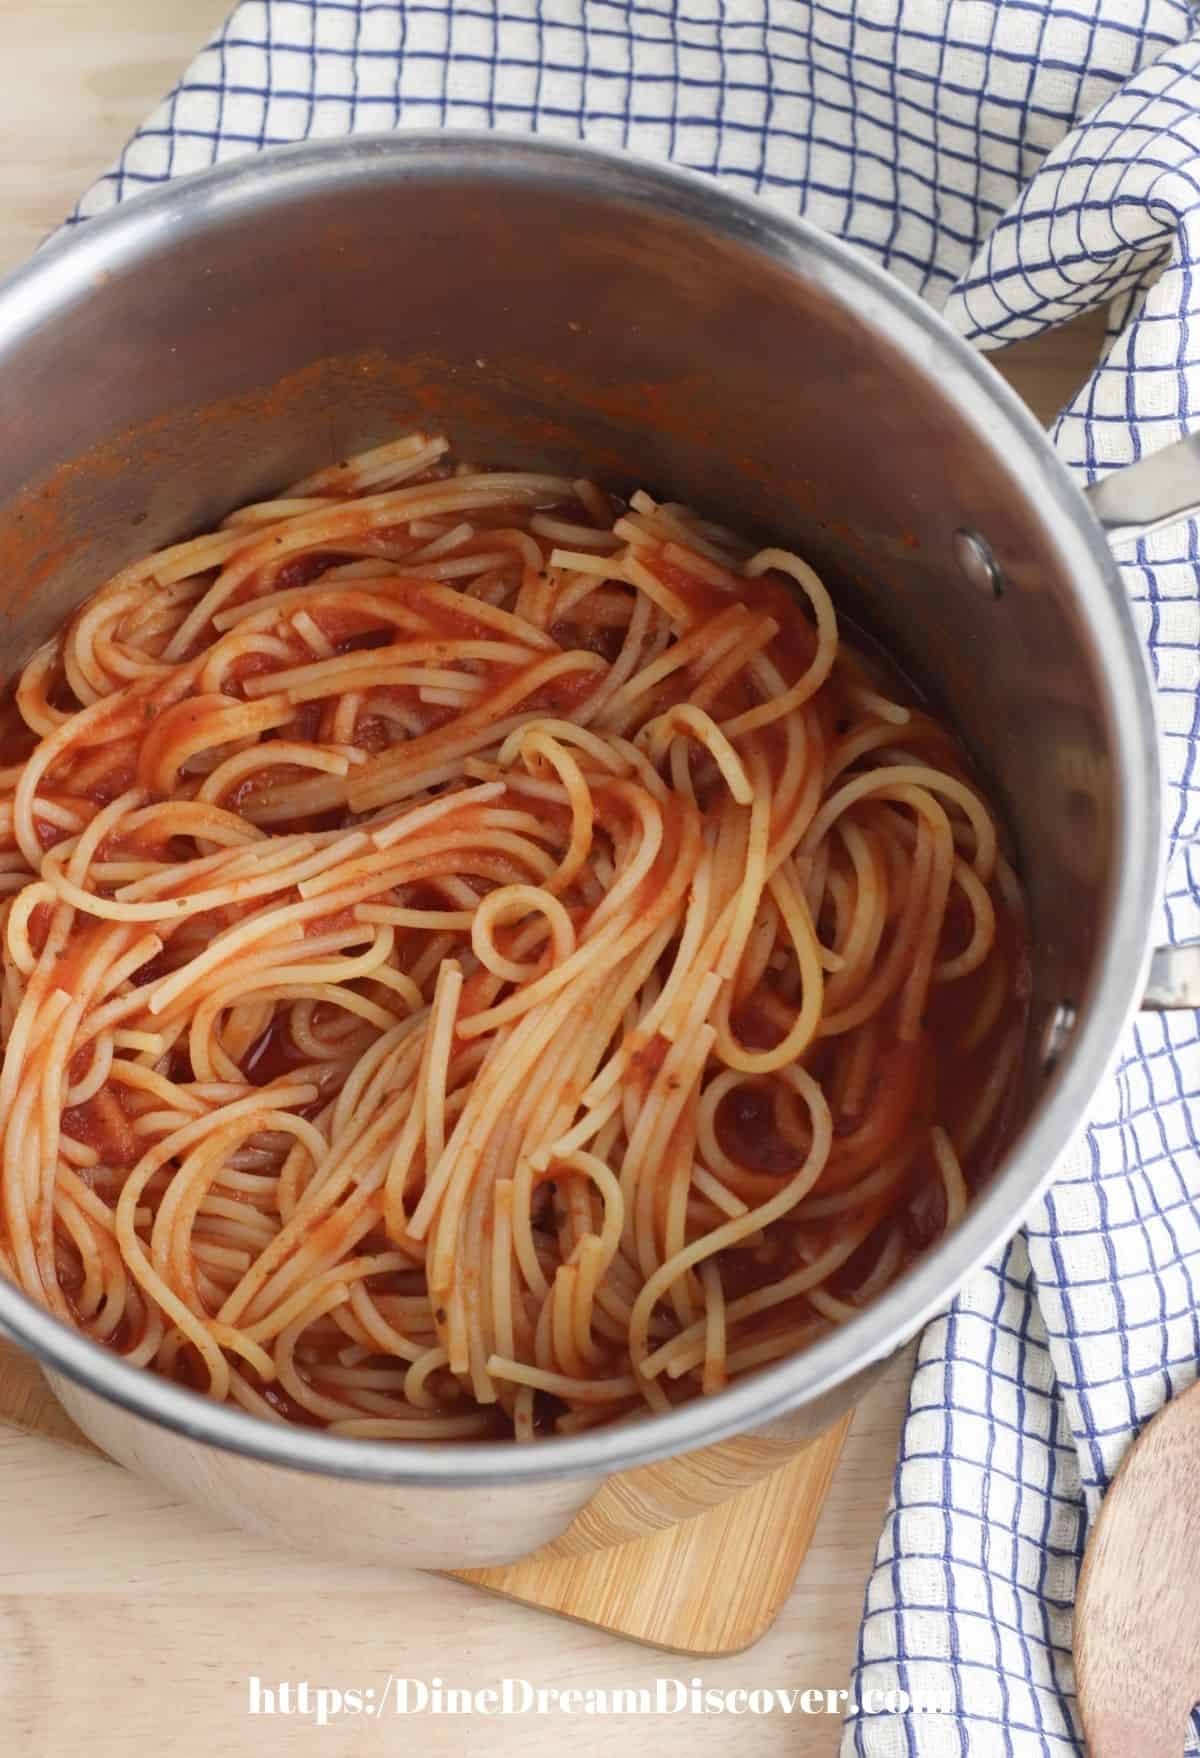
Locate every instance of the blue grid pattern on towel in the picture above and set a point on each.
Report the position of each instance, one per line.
(1016, 161)
(908, 128)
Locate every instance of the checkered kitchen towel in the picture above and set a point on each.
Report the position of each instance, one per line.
(1016, 161)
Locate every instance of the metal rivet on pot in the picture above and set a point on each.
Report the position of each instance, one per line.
(978, 563)
(1058, 1034)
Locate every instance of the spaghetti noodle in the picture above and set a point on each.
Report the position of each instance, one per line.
(480, 959)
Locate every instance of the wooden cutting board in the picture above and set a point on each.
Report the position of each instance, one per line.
(675, 1588)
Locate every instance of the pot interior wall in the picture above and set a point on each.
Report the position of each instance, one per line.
(587, 332)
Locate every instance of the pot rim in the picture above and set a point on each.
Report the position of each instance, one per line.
(66, 268)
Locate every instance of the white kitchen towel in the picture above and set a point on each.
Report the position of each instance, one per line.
(1016, 161)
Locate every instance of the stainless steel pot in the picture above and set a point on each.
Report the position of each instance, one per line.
(553, 305)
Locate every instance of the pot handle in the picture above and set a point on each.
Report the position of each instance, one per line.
(1158, 490)
(1130, 503)
(1173, 980)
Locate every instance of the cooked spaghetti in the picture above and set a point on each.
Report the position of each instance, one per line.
(482, 959)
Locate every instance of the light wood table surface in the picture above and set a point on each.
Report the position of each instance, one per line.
(129, 1623)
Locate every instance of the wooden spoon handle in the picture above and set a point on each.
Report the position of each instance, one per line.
(1111, 1734)
(1137, 1608)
